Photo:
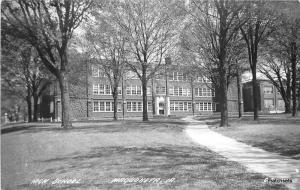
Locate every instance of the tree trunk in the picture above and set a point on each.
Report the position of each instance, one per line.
(222, 69)
(28, 100)
(287, 105)
(294, 76)
(35, 107)
(238, 78)
(65, 100)
(287, 100)
(255, 92)
(223, 102)
(144, 89)
(153, 96)
(193, 98)
(115, 97)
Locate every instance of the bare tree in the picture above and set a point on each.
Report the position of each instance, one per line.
(278, 71)
(48, 26)
(257, 29)
(149, 29)
(210, 37)
(108, 49)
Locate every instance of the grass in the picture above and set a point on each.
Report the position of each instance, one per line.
(96, 153)
(280, 135)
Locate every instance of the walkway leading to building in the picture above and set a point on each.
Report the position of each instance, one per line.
(270, 164)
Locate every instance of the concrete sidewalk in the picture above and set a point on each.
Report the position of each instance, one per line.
(270, 164)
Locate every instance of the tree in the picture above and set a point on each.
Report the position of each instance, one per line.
(278, 71)
(254, 31)
(281, 57)
(292, 26)
(47, 26)
(23, 65)
(108, 49)
(149, 29)
(210, 37)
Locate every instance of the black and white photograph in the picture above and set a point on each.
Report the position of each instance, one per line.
(150, 94)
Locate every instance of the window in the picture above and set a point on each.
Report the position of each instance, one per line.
(160, 76)
(203, 79)
(280, 104)
(188, 92)
(101, 89)
(180, 106)
(204, 92)
(172, 106)
(269, 103)
(139, 90)
(96, 106)
(176, 91)
(133, 90)
(171, 91)
(268, 90)
(102, 106)
(107, 89)
(180, 76)
(160, 90)
(180, 91)
(139, 106)
(148, 90)
(205, 106)
(189, 106)
(175, 76)
(95, 72)
(95, 88)
(134, 106)
(128, 90)
(184, 92)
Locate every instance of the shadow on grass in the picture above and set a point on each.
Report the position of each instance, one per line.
(192, 167)
(105, 127)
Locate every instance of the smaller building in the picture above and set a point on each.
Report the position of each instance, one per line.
(270, 98)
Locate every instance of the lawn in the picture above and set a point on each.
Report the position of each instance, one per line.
(95, 154)
(274, 134)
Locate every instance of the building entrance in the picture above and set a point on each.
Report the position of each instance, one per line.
(161, 108)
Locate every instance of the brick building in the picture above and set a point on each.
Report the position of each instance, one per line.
(270, 98)
(93, 99)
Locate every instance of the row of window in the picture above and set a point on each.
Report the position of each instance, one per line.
(204, 92)
(205, 106)
(99, 89)
(178, 76)
(180, 91)
(137, 106)
(103, 106)
(269, 103)
(173, 76)
(268, 90)
(180, 106)
(108, 106)
(136, 90)
(104, 89)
